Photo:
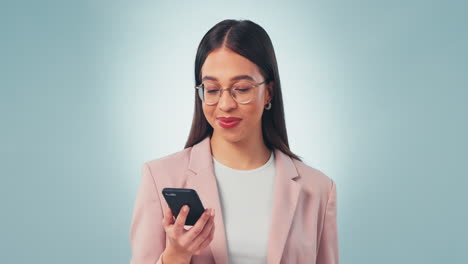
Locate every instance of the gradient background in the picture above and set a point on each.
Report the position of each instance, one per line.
(375, 96)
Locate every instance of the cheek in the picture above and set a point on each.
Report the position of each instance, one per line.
(259, 107)
(254, 113)
(208, 112)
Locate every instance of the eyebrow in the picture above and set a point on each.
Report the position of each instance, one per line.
(235, 78)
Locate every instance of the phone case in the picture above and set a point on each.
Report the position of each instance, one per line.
(178, 197)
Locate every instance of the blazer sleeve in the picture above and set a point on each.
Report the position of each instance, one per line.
(147, 235)
(328, 245)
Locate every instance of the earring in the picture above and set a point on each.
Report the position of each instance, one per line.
(268, 107)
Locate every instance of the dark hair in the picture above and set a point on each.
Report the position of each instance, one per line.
(251, 41)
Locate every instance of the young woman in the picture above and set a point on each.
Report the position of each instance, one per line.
(264, 205)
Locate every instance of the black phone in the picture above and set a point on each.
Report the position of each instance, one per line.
(178, 197)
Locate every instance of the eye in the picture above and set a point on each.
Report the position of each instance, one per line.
(242, 87)
(210, 87)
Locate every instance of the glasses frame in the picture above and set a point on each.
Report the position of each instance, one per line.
(254, 85)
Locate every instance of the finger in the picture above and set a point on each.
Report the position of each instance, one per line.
(204, 234)
(168, 218)
(198, 227)
(208, 240)
(181, 217)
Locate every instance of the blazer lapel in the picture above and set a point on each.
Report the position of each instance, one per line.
(200, 176)
(285, 195)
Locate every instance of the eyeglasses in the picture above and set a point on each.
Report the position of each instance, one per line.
(242, 91)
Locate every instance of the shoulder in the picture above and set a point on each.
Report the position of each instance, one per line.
(171, 159)
(168, 168)
(313, 179)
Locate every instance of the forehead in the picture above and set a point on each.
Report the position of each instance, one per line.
(224, 64)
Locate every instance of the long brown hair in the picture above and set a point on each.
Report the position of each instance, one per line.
(250, 40)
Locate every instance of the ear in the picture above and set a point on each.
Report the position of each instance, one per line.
(270, 91)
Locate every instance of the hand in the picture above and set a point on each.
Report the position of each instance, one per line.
(185, 243)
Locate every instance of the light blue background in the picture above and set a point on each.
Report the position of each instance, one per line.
(375, 96)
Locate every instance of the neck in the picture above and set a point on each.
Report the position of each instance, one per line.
(247, 154)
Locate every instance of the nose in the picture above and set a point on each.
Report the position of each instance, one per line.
(226, 101)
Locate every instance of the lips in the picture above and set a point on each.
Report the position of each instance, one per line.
(228, 122)
(229, 119)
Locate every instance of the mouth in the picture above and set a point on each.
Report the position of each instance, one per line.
(228, 118)
(228, 122)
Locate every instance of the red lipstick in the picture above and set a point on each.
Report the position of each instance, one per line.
(228, 122)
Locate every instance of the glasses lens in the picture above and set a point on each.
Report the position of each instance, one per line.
(210, 92)
(243, 91)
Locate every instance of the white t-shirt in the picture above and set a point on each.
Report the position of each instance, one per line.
(247, 198)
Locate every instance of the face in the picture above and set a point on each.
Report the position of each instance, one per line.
(224, 64)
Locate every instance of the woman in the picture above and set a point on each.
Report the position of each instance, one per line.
(269, 206)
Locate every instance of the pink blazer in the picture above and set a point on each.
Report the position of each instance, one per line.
(303, 226)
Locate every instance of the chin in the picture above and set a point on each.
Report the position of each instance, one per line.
(229, 136)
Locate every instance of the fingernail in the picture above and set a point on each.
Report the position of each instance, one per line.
(185, 208)
(212, 212)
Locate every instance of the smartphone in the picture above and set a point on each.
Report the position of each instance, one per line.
(178, 197)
